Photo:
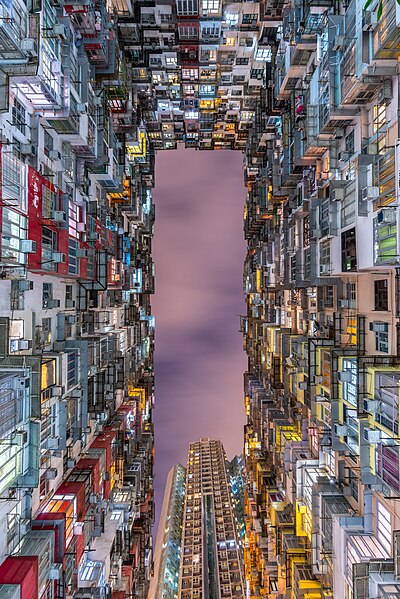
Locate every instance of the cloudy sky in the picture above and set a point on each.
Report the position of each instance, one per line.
(199, 252)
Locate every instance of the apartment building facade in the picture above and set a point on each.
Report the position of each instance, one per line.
(321, 331)
(89, 91)
(167, 550)
(211, 554)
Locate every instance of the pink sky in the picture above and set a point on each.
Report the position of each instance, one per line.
(198, 251)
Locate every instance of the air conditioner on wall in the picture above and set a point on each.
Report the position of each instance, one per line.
(341, 429)
(27, 246)
(372, 436)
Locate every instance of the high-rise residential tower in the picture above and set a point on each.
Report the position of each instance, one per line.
(211, 564)
(164, 584)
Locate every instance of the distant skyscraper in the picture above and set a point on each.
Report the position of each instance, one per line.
(211, 563)
(165, 583)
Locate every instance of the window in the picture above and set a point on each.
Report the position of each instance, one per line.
(325, 256)
(264, 54)
(211, 6)
(48, 145)
(73, 218)
(67, 162)
(381, 336)
(387, 390)
(387, 465)
(13, 179)
(379, 117)
(257, 74)
(16, 296)
(249, 19)
(328, 296)
(73, 260)
(349, 143)
(385, 237)
(384, 527)
(19, 117)
(349, 250)
(46, 330)
(348, 205)
(187, 7)
(381, 295)
(14, 228)
(49, 201)
(47, 294)
(49, 245)
(72, 370)
(242, 61)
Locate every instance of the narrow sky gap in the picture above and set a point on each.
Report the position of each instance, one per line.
(198, 251)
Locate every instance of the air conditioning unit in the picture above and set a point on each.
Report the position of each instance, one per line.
(71, 319)
(27, 246)
(58, 257)
(97, 101)
(93, 236)
(318, 379)
(347, 491)
(100, 428)
(81, 108)
(81, 253)
(339, 133)
(386, 215)
(27, 149)
(54, 155)
(81, 227)
(24, 344)
(343, 156)
(303, 385)
(337, 194)
(50, 474)
(24, 526)
(52, 443)
(343, 303)
(369, 20)
(78, 529)
(57, 390)
(344, 376)
(55, 572)
(321, 399)
(25, 285)
(29, 46)
(371, 405)
(316, 234)
(370, 193)
(71, 463)
(59, 216)
(61, 30)
(325, 269)
(51, 303)
(341, 430)
(372, 436)
(338, 43)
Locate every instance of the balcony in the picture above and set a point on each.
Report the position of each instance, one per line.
(386, 37)
(291, 65)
